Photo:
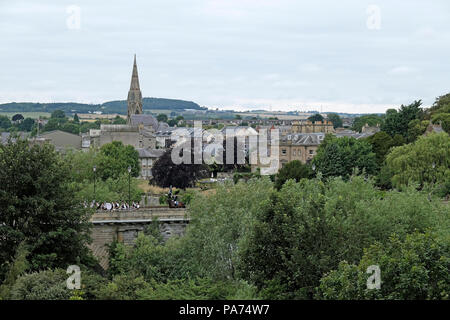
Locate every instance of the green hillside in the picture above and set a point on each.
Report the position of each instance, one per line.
(119, 106)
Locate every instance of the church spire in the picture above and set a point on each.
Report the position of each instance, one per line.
(134, 77)
(134, 101)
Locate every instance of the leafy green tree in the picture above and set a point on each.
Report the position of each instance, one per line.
(425, 161)
(317, 117)
(416, 128)
(335, 119)
(292, 170)
(162, 117)
(5, 123)
(115, 158)
(38, 207)
(71, 128)
(396, 122)
(309, 227)
(42, 285)
(416, 268)
(76, 119)
(372, 120)
(232, 211)
(58, 114)
(381, 144)
(26, 125)
(119, 120)
(16, 269)
(339, 156)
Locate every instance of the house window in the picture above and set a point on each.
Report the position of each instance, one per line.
(283, 152)
(311, 151)
(293, 153)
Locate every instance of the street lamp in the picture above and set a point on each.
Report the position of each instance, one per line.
(95, 178)
(129, 183)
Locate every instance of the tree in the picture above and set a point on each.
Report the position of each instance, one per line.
(307, 228)
(415, 268)
(5, 123)
(416, 128)
(339, 156)
(292, 170)
(38, 207)
(119, 120)
(440, 112)
(58, 114)
(162, 117)
(335, 119)
(27, 124)
(114, 160)
(76, 119)
(427, 160)
(71, 128)
(317, 117)
(372, 120)
(166, 173)
(237, 116)
(397, 122)
(17, 117)
(381, 144)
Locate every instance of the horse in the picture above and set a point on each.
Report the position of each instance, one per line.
(172, 204)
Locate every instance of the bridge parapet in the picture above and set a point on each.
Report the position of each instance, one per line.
(141, 214)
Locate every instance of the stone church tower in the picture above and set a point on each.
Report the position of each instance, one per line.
(134, 95)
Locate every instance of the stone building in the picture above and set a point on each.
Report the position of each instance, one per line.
(312, 127)
(61, 140)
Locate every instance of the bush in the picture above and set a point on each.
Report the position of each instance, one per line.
(43, 285)
(415, 268)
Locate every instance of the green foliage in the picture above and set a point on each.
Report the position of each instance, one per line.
(76, 119)
(309, 227)
(5, 123)
(396, 122)
(335, 119)
(219, 223)
(58, 114)
(413, 163)
(293, 170)
(416, 268)
(162, 117)
(317, 117)
(119, 120)
(340, 156)
(416, 128)
(42, 285)
(16, 269)
(372, 120)
(38, 207)
(114, 160)
(198, 289)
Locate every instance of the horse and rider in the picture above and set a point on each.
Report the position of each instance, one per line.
(173, 200)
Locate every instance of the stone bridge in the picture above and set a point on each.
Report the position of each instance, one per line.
(125, 225)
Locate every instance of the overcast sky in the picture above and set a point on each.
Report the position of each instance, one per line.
(347, 56)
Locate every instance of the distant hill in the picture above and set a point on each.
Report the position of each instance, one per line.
(119, 106)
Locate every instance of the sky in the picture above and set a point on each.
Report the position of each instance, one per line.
(343, 56)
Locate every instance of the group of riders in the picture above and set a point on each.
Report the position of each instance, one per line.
(172, 199)
(112, 206)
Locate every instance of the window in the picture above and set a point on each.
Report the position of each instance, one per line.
(311, 151)
(293, 153)
(283, 152)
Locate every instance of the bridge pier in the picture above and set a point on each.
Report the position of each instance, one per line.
(125, 225)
